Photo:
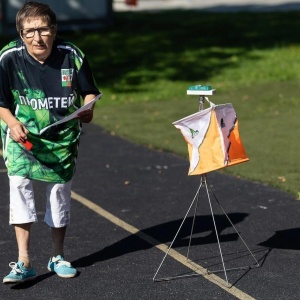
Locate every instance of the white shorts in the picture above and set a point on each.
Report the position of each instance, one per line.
(22, 204)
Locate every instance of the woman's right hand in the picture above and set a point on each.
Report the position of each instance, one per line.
(17, 130)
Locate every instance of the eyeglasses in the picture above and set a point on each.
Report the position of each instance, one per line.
(42, 31)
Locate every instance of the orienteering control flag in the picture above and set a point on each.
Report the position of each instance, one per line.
(213, 139)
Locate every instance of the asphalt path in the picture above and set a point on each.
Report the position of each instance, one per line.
(128, 204)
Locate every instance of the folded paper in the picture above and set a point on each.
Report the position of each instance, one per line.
(74, 114)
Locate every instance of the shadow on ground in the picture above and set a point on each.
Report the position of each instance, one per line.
(164, 233)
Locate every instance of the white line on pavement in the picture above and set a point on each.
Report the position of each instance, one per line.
(172, 253)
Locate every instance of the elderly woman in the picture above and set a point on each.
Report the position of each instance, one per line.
(43, 80)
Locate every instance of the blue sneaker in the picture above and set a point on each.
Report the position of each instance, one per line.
(61, 267)
(19, 273)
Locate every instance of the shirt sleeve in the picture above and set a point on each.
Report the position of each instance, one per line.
(5, 92)
(86, 81)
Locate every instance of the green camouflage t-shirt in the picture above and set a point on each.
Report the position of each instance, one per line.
(39, 95)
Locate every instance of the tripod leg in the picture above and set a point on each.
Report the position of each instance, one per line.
(215, 226)
(257, 263)
(192, 229)
(195, 197)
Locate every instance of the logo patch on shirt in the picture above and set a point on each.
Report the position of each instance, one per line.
(66, 77)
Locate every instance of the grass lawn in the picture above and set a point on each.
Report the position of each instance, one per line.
(145, 62)
(144, 67)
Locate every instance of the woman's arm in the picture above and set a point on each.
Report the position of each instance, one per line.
(17, 130)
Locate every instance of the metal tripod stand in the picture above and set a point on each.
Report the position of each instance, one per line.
(195, 201)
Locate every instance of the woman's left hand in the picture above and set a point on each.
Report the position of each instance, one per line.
(86, 116)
